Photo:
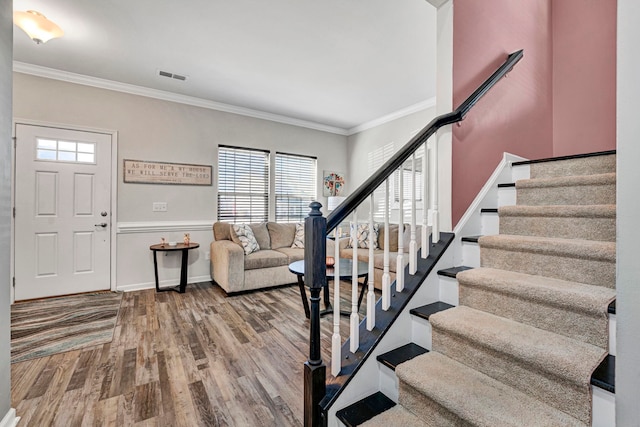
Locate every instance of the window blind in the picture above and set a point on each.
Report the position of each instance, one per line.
(243, 185)
(295, 186)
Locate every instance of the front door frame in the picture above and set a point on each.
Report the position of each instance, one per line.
(113, 188)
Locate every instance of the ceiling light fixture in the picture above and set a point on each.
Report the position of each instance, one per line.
(37, 26)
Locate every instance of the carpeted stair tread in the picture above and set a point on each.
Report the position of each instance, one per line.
(590, 222)
(567, 181)
(576, 260)
(562, 211)
(396, 416)
(587, 165)
(546, 350)
(443, 392)
(567, 190)
(552, 368)
(573, 309)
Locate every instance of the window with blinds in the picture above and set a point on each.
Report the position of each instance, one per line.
(295, 186)
(406, 180)
(243, 185)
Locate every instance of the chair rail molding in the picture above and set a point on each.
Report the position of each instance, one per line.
(164, 226)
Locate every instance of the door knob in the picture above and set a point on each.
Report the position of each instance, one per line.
(103, 213)
(102, 224)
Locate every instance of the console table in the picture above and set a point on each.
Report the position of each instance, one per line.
(183, 268)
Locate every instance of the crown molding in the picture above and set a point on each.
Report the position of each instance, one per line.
(420, 106)
(66, 76)
(81, 79)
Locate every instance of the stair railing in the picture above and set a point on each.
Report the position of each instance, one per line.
(317, 228)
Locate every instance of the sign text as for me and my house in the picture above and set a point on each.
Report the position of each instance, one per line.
(141, 171)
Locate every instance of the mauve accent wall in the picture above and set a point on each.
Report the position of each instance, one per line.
(516, 116)
(559, 100)
(584, 76)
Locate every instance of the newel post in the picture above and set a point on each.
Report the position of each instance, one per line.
(315, 277)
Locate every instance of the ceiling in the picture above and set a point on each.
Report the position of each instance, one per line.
(336, 63)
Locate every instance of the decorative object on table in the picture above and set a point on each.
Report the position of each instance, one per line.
(163, 242)
(334, 201)
(333, 183)
(146, 172)
(173, 243)
(186, 239)
(330, 261)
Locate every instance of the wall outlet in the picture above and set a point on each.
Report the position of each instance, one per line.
(208, 255)
(159, 206)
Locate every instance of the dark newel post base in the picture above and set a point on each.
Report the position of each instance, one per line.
(314, 391)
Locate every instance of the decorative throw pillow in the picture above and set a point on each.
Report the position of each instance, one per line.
(247, 240)
(298, 240)
(359, 235)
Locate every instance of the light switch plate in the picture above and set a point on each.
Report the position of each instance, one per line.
(159, 206)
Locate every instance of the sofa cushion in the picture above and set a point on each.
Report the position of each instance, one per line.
(265, 259)
(281, 234)
(222, 231)
(359, 235)
(262, 234)
(294, 254)
(298, 238)
(393, 237)
(243, 235)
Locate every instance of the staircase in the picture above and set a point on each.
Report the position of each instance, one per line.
(515, 340)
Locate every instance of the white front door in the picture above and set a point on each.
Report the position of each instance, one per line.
(63, 213)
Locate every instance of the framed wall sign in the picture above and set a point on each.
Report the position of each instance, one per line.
(146, 172)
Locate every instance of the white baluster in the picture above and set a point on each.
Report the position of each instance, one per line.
(435, 221)
(425, 202)
(336, 340)
(355, 318)
(400, 258)
(371, 297)
(413, 247)
(386, 277)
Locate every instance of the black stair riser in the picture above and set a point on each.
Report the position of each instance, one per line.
(365, 409)
(426, 311)
(393, 358)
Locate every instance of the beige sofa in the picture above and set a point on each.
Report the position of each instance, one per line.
(234, 271)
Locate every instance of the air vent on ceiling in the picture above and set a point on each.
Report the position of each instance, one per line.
(171, 75)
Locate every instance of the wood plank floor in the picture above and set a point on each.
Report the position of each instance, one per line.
(194, 359)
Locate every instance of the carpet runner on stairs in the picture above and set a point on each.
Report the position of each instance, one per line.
(532, 323)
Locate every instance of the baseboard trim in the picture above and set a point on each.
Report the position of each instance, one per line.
(10, 419)
(164, 226)
(492, 182)
(163, 283)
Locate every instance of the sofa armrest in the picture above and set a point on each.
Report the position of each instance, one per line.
(331, 245)
(227, 265)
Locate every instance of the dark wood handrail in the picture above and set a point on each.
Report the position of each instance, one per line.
(369, 186)
(317, 227)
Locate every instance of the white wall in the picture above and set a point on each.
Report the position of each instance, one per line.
(158, 130)
(397, 133)
(628, 233)
(6, 41)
